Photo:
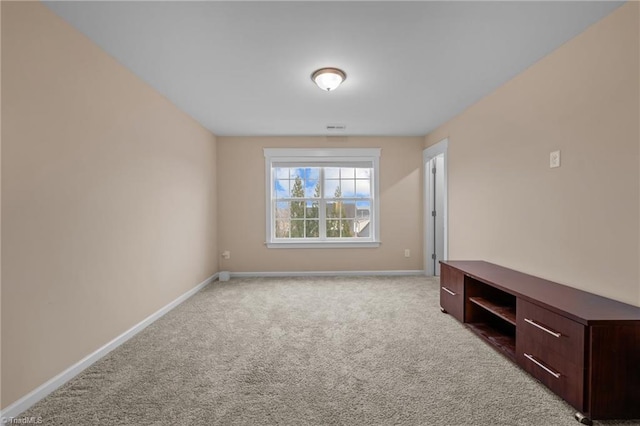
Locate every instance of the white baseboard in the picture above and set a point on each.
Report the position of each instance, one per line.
(45, 389)
(327, 273)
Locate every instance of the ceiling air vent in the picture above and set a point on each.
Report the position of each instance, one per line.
(336, 127)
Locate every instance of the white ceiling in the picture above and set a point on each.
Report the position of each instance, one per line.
(243, 68)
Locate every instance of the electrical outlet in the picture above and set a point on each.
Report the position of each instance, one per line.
(554, 159)
(407, 253)
(226, 254)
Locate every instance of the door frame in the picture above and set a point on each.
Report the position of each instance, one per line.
(427, 155)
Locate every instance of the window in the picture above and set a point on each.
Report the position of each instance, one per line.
(322, 197)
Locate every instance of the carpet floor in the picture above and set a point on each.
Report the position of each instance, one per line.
(306, 351)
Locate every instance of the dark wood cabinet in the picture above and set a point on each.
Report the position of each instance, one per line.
(451, 288)
(550, 347)
(584, 347)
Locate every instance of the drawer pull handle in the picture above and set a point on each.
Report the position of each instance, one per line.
(448, 291)
(539, 364)
(535, 324)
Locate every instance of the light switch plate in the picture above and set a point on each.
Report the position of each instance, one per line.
(554, 159)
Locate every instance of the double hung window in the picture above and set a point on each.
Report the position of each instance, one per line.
(322, 197)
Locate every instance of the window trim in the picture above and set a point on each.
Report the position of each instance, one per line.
(328, 156)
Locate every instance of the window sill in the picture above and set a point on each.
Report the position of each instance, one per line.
(323, 244)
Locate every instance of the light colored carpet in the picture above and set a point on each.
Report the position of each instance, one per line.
(313, 351)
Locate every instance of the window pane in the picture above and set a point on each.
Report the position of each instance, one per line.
(282, 173)
(312, 209)
(363, 173)
(332, 173)
(297, 172)
(348, 188)
(363, 188)
(297, 229)
(333, 209)
(282, 210)
(282, 229)
(331, 187)
(347, 172)
(297, 188)
(313, 229)
(312, 189)
(341, 209)
(348, 209)
(312, 173)
(281, 188)
(363, 209)
(297, 209)
(362, 228)
(346, 229)
(333, 228)
(340, 229)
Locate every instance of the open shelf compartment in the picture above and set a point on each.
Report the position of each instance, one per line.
(507, 313)
(491, 314)
(504, 343)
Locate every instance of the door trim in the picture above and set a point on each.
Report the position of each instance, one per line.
(427, 155)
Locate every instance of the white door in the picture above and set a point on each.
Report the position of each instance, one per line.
(438, 215)
(435, 163)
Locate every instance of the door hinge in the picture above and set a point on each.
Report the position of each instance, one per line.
(433, 256)
(433, 170)
(433, 213)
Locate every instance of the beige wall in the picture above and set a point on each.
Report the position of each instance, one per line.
(638, 125)
(0, 211)
(577, 224)
(108, 199)
(241, 207)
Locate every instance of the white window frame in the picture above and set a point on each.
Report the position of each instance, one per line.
(323, 157)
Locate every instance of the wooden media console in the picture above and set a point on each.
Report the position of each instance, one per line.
(584, 347)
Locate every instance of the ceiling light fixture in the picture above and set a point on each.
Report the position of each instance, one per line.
(328, 79)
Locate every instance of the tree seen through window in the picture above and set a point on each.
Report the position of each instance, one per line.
(302, 212)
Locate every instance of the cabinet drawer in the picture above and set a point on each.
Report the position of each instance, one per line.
(451, 278)
(551, 332)
(451, 291)
(556, 372)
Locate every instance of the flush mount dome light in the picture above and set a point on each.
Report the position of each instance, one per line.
(328, 78)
